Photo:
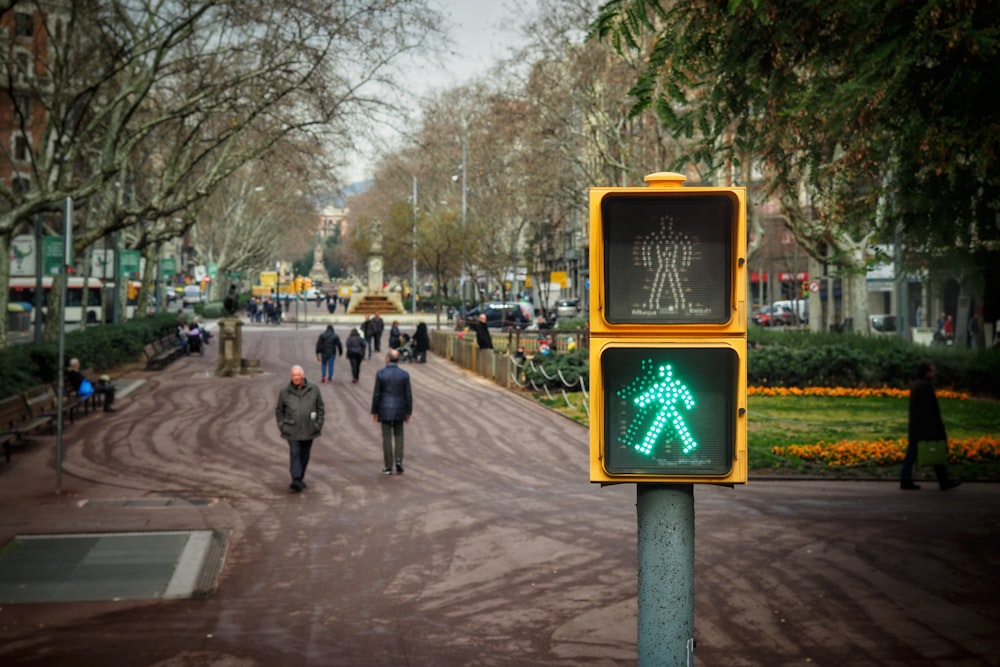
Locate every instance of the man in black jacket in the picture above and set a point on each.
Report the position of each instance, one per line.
(392, 405)
(328, 348)
(483, 338)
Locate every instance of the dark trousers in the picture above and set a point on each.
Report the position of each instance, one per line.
(107, 391)
(298, 451)
(355, 365)
(378, 341)
(392, 430)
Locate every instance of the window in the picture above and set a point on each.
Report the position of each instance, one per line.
(21, 184)
(24, 25)
(22, 108)
(22, 64)
(22, 151)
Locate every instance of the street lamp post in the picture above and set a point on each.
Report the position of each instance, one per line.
(465, 155)
(413, 286)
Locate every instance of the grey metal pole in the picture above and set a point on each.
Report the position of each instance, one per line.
(413, 286)
(39, 302)
(465, 209)
(666, 574)
(61, 384)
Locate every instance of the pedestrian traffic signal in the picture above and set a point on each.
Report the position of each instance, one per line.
(668, 333)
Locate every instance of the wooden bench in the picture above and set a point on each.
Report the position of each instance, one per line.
(43, 402)
(16, 420)
(162, 352)
(171, 347)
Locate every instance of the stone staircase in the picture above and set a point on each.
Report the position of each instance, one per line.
(369, 304)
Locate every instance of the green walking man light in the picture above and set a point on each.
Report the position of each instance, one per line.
(655, 392)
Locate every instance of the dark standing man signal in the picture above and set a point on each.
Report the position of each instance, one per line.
(392, 405)
(300, 419)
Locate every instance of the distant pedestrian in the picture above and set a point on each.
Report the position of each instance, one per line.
(368, 333)
(392, 406)
(299, 414)
(421, 343)
(925, 425)
(378, 326)
(395, 339)
(483, 338)
(355, 353)
(328, 348)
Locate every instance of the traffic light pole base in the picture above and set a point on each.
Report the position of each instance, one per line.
(666, 574)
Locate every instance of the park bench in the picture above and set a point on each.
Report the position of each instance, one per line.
(16, 420)
(162, 352)
(171, 346)
(43, 401)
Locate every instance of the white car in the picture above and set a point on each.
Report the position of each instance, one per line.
(568, 308)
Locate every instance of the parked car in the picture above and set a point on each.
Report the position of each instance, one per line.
(568, 308)
(773, 316)
(503, 315)
(797, 306)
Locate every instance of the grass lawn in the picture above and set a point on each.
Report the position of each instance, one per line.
(871, 431)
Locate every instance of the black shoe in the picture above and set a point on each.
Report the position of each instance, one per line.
(950, 484)
(909, 486)
(110, 409)
(294, 487)
(386, 471)
(399, 468)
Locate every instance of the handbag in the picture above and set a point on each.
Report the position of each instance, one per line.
(86, 389)
(932, 452)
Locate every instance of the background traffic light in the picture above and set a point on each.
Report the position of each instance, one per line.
(668, 333)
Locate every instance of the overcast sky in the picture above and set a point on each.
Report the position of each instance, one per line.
(483, 32)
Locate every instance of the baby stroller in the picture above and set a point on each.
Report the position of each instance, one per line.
(406, 348)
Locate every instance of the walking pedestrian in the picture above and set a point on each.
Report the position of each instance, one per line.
(392, 406)
(421, 343)
(925, 425)
(328, 348)
(299, 414)
(355, 353)
(368, 333)
(378, 326)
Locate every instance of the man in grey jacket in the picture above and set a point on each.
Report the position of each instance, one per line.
(300, 419)
(392, 405)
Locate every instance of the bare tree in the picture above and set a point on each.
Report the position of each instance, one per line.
(159, 102)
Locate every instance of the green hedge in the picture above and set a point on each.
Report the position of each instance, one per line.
(102, 348)
(804, 359)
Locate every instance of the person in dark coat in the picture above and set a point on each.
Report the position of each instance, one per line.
(925, 425)
(483, 337)
(328, 348)
(299, 414)
(395, 338)
(421, 343)
(378, 326)
(356, 349)
(392, 406)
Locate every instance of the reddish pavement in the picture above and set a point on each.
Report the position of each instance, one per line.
(492, 549)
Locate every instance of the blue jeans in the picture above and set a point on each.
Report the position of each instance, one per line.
(327, 367)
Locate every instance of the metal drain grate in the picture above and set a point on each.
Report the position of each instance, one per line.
(111, 566)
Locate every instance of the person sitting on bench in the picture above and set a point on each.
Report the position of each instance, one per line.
(103, 387)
